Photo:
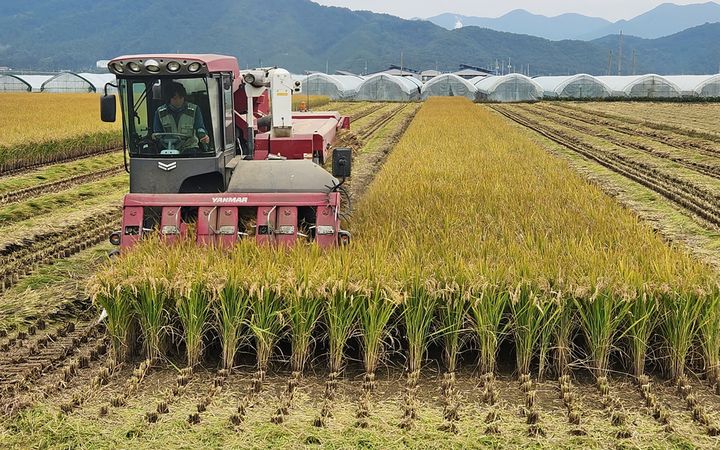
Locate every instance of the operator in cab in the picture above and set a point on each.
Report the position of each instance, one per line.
(179, 117)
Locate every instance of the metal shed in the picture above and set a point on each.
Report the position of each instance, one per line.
(642, 86)
(448, 85)
(384, 87)
(13, 83)
(581, 86)
(514, 87)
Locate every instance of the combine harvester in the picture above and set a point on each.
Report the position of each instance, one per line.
(248, 166)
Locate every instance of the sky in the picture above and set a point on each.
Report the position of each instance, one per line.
(609, 9)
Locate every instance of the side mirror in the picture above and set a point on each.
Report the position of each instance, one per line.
(341, 162)
(108, 109)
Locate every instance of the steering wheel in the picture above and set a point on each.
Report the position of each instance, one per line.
(170, 142)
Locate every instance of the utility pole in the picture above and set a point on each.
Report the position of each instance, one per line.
(634, 62)
(620, 54)
(609, 72)
(401, 63)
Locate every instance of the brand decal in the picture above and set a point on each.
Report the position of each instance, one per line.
(229, 199)
(167, 167)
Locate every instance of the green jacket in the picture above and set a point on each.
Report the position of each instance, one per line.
(185, 124)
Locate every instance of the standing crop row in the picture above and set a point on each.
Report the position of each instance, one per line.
(469, 230)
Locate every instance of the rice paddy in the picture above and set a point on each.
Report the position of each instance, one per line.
(490, 297)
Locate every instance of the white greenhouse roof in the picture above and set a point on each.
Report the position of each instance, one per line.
(383, 86)
(13, 83)
(556, 85)
(489, 84)
(449, 84)
(623, 84)
(36, 81)
(98, 80)
(692, 84)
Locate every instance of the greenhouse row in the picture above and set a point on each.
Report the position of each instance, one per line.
(511, 88)
(388, 87)
(64, 82)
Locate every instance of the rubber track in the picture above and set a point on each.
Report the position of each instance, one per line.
(56, 186)
(19, 260)
(33, 166)
(677, 191)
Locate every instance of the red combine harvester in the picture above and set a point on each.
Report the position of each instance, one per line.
(211, 146)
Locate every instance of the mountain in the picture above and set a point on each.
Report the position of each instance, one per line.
(565, 26)
(664, 20)
(302, 35)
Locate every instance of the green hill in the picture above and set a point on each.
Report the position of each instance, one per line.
(301, 35)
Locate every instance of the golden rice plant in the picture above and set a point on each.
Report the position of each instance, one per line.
(472, 225)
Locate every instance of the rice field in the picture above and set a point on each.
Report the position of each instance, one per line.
(491, 297)
(42, 129)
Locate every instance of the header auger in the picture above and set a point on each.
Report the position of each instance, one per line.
(222, 149)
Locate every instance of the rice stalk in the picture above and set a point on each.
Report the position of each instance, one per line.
(600, 316)
(193, 310)
(418, 313)
(115, 300)
(375, 312)
(642, 319)
(341, 314)
(710, 332)
(562, 334)
(303, 312)
(681, 313)
(230, 308)
(453, 309)
(267, 320)
(527, 320)
(149, 301)
(487, 308)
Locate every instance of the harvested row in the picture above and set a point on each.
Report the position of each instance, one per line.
(699, 200)
(21, 259)
(56, 186)
(510, 244)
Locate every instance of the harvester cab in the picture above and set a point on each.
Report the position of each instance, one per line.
(221, 150)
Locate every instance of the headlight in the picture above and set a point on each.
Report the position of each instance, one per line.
(194, 67)
(173, 66)
(117, 67)
(249, 78)
(133, 66)
(152, 66)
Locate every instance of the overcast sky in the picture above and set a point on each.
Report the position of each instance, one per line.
(608, 9)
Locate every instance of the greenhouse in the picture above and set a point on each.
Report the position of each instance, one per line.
(448, 85)
(12, 83)
(67, 82)
(581, 86)
(384, 87)
(35, 81)
(705, 86)
(641, 86)
(337, 87)
(514, 87)
(98, 80)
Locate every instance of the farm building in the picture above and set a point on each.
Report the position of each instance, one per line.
(641, 86)
(448, 85)
(706, 86)
(581, 86)
(98, 80)
(427, 75)
(384, 87)
(334, 86)
(508, 88)
(13, 83)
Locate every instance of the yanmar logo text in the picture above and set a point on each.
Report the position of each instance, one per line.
(229, 199)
